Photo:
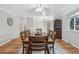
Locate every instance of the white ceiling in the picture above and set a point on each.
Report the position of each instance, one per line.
(27, 9)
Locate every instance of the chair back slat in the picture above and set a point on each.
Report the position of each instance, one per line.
(41, 39)
(23, 35)
(52, 35)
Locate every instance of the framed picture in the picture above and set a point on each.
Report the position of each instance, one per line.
(10, 21)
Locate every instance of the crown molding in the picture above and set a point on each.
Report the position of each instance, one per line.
(71, 12)
(7, 11)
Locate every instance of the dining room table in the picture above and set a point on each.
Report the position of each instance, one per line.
(50, 41)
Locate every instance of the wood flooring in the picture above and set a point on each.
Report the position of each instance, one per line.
(15, 47)
(67, 47)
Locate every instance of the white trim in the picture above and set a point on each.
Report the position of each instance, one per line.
(74, 24)
(73, 30)
(74, 45)
(5, 42)
(71, 12)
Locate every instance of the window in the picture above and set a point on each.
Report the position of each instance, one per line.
(74, 23)
(77, 22)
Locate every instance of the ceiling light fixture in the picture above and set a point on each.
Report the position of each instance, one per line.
(41, 8)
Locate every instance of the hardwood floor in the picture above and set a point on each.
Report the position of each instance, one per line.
(15, 47)
(67, 47)
(12, 47)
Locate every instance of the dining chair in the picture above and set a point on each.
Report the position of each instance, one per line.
(38, 43)
(52, 36)
(28, 32)
(24, 36)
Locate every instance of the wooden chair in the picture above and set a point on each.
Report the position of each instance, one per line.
(52, 36)
(38, 44)
(28, 32)
(23, 37)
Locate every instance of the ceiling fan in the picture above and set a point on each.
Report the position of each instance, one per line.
(42, 8)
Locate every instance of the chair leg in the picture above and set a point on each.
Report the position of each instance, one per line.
(26, 50)
(53, 49)
(47, 50)
(23, 50)
(29, 50)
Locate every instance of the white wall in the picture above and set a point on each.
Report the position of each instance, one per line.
(29, 23)
(69, 36)
(33, 23)
(23, 24)
(39, 22)
(8, 32)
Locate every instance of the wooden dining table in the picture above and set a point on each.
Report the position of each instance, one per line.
(50, 41)
(37, 35)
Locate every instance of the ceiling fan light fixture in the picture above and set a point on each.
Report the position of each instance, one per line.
(39, 9)
(43, 13)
